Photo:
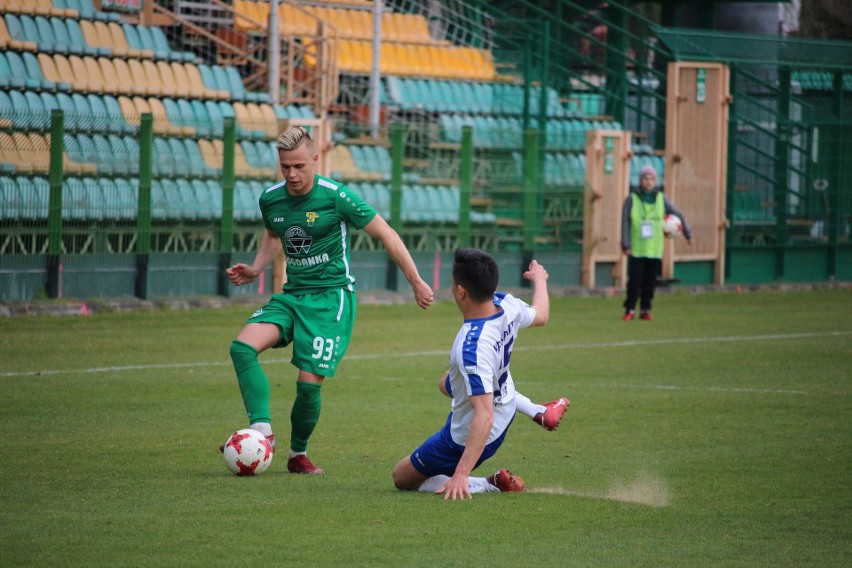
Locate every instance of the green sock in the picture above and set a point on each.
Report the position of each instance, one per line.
(254, 385)
(305, 414)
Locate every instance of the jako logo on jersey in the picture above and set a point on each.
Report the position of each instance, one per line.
(278, 220)
(297, 240)
(310, 217)
(257, 313)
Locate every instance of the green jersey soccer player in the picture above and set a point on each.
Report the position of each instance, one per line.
(308, 217)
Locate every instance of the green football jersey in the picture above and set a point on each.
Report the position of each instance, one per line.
(314, 231)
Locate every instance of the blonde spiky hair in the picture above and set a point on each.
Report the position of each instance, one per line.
(292, 138)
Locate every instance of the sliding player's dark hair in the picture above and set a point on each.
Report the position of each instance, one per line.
(476, 271)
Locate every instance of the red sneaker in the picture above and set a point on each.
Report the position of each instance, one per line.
(646, 316)
(301, 464)
(506, 482)
(628, 316)
(550, 418)
(270, 438)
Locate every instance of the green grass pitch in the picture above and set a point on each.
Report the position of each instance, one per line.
(718, 435)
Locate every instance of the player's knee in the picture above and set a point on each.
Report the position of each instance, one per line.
(242, 353)
(400, 480)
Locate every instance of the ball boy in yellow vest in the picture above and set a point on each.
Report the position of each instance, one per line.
(642, 241)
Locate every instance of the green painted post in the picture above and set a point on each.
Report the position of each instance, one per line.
(782, 165)
(530, 197)
(616, 65)
(731, 176)
(226, 227)
(465, 186)
(397, 136)
(143, 223)
(54, 215)
(835, 174)
(545, 77)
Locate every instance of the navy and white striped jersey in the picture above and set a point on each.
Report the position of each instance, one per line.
(479, 364)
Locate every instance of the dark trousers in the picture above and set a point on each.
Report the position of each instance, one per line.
(641, 280)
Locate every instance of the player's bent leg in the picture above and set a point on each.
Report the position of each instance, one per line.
(405, 477)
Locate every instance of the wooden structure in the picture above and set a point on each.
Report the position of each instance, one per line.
(608, 156)
(696, 161)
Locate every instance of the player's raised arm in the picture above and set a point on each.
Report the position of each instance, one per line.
(540, 298)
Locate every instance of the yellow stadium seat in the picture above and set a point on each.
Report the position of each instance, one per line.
(91, 35)
(8, 150)
(197, 84)
(38, 150)
(129, 110)
(48, 67)
(97, 81)
(81, 75)
(343, 165)
(170, 86)
(293, 21)
(63, 67)
(182, 82)
(153, 79)
(252, 16)
(267, 114)
(162, 123)
(142, 86)
(125, 81)
(212, 156)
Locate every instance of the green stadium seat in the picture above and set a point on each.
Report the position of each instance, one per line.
(164, 162)
(33, 32)
(381, 200)
(117, 123)
(39, 116)
(7, 110)
(33, 70)
(243, 203)
(62, 38)
(74, 200)
(209, 199)
(98, 119)
(126, 197)
(187, 200)
(181, 159)
(34, 198)
(49, 102)
(123, 162)
(71, 117)
(78, 42)
(17, 32)
(20, 115)
(18, 75)
(214, 190)
(9, 198)
(162, 43)
(83, 111)
(6, 76)
(234, 83)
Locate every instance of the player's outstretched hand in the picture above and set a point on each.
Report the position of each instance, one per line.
(456, 487)
(240, 274)
(536, 272)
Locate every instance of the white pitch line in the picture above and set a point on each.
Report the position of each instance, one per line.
(367, 356)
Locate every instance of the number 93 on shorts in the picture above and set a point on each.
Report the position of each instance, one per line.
(319, 326)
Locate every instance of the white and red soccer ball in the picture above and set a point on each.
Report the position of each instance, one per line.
(672, 226)
(247, 452)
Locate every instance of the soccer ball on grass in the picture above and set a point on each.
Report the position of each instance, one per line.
(247, 452)
(672, 226)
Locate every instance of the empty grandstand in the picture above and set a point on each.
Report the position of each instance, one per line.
(137, 136)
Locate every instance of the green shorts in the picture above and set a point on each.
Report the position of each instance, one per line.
(318, 325)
